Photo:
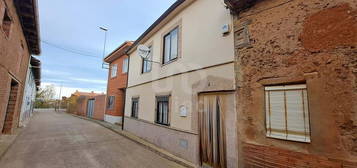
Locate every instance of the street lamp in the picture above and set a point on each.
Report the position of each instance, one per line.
(105, 43)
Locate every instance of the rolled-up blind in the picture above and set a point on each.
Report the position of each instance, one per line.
(287, 115)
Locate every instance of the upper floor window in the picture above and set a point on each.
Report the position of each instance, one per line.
(162, 110)
(114, 70)
(6, 23)
(125, 65)
(135, 108)
(110, 102)
(147, 63)
(287, 112)
(171, 46)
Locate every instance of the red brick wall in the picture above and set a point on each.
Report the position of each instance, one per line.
(14, 60)
(116, 86)
(99, 107)
(256, 156)
(312, 42)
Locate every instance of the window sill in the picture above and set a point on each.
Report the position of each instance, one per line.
(169, 62)
(289, 140)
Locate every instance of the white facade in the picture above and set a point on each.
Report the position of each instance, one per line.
(28, 98)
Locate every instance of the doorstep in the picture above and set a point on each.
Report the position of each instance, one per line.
(118, 129)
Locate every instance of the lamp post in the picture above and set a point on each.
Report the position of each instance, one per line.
(105, 43)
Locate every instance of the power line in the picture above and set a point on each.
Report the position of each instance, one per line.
(70, 50)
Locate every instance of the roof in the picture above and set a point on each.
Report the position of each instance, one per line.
(171, 9)
(239, 5)
(36, 69)
(91, 94)
(28, 14)
(118, 52)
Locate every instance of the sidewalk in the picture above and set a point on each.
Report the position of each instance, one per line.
(118, 129)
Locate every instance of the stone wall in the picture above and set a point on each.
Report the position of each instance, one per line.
(312, 42)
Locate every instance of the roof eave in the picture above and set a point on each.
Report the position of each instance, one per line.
(28, 15)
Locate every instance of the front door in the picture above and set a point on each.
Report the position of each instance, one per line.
(213, 110)
(90, 108)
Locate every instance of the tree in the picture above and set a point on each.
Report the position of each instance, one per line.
(45, 97)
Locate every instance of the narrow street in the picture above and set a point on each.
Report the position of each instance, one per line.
(59, 140)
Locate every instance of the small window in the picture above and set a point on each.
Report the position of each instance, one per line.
(125, 65)
(114, 70)
(147, 63)
(135, 108)
(6, 23)
(110, 103)
(287, 112)
(171, 46)
(162, 110)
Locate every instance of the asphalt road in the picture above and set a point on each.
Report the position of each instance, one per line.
(58, 140)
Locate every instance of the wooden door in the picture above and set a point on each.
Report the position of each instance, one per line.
(212, 113)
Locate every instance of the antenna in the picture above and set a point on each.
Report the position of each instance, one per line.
(144, 52)
(104, 64)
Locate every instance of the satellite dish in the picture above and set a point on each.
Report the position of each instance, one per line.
(143, 51)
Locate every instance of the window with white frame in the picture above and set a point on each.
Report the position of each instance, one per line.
(147, 63)
(171, 41)
(114, 70)
(125, 65)
(287, 112)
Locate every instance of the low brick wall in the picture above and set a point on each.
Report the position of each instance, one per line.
(256, 156)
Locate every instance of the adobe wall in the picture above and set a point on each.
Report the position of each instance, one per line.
(14, 60)
(312, 42)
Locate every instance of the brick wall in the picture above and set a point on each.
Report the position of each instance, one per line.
(312, 42)
(116, 88)
(99, 107)
(14, 60)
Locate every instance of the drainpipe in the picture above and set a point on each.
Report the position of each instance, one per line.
(127, 81)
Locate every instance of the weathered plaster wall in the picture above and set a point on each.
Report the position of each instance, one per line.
(312, 42)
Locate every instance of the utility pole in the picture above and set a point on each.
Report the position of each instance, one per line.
(105, 44)
(60, 99)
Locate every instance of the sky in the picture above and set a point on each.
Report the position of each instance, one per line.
(72, 43)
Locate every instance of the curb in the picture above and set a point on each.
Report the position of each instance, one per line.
(142, 142)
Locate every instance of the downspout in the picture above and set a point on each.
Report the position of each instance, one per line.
(127, 82)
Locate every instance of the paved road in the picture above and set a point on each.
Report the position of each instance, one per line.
(57, 140)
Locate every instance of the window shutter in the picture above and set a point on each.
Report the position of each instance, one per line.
(295, 115)
(277, 114)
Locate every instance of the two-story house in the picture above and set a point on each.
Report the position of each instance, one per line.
(117, 82)
(181, 97)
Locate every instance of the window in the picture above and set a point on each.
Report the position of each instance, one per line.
(147, 62)
(171, 46)
(114, 70)
(287, 112)
(125, 65)
(135, 108)
(162, 110)
(110, 103)
(6, 23)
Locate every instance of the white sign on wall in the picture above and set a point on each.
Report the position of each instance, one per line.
(183, 111)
